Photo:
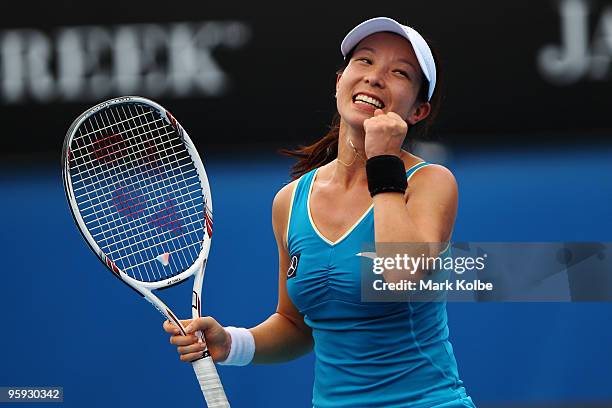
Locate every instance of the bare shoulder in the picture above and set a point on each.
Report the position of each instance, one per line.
(434, 173)
(282, 199)
(280, 210)
(434, 179)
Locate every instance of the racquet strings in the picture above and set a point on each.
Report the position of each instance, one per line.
(138, 191)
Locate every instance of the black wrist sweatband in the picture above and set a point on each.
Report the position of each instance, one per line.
(386, 173)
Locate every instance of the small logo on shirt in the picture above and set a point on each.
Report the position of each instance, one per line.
(293, 265)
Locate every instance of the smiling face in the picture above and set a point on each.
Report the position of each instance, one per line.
(383, 73)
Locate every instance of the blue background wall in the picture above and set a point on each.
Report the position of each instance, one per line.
(68, 322)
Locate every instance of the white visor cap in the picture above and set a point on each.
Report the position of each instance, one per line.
(382, 24)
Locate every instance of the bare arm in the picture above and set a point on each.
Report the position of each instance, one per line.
(425, 214)
(284, 335)
(424, 217)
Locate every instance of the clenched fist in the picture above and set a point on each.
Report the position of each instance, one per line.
(384, 133)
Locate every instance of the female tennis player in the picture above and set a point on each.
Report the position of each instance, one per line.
(351, 189)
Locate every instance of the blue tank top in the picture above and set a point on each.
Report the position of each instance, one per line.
(393, 354)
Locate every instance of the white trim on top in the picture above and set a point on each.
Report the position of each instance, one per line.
(290, 211)
(413, 173)
(314, 226)
(356, 223)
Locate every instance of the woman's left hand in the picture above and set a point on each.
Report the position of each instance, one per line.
(384, 133)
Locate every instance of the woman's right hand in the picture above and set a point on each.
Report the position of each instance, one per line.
(191, 348)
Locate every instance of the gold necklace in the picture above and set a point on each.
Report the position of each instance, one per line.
(350, 142)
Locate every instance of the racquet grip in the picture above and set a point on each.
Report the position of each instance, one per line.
(210, 383)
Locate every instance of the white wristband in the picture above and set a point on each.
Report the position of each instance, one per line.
(242, 349)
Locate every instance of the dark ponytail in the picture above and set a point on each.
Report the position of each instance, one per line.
(317, 154)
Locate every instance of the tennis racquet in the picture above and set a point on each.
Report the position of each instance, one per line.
(139, 194)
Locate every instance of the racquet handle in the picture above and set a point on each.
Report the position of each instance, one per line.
(210, 383)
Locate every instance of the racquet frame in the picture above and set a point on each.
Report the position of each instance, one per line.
(204, 367)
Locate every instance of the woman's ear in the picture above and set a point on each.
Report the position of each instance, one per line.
(338, 76)
(421, 112)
